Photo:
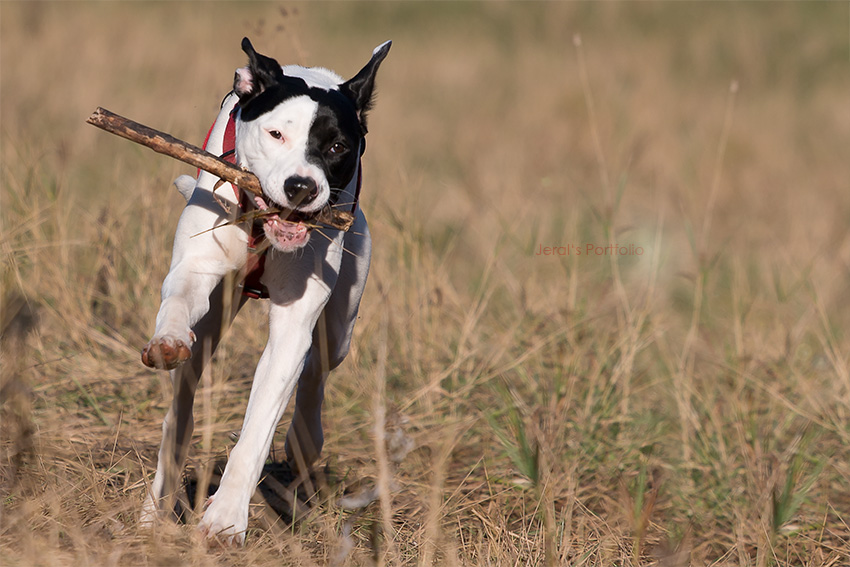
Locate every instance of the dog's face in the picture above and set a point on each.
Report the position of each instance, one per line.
(301, 132)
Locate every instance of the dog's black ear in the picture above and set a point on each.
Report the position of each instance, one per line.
(360, 89)
(261, 73)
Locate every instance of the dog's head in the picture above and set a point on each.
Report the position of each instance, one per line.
(301, 132)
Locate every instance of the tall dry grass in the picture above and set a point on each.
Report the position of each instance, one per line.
(688, 405)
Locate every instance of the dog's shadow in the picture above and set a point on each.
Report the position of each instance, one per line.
(281, 490)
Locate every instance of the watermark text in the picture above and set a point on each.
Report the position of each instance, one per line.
(589, 249)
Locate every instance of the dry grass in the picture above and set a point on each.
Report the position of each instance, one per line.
(686, 406)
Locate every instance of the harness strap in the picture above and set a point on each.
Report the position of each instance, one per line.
(228, 144)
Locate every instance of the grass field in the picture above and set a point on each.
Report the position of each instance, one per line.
(684, 402)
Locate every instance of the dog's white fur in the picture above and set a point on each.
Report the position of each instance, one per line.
(323, 280)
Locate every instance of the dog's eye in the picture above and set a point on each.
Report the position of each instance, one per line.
(275, 134)
(337, 148)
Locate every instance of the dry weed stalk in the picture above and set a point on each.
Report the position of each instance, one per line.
(384, 484)
(687, 358)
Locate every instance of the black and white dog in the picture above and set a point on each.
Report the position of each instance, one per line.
(301, 131)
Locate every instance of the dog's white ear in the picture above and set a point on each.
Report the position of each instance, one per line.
(261, 73)
(361, 88)
(242, 82)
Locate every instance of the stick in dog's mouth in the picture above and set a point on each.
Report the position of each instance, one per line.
(325, 215)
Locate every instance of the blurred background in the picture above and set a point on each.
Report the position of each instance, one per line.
(687, 403)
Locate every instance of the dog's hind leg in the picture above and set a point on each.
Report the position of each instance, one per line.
(331, 341)
(178, 425)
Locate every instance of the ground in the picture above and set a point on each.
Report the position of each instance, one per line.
(606, 322)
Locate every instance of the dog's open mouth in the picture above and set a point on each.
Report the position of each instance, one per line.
(286, 232)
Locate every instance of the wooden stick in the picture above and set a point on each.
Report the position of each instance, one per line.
(166, 144)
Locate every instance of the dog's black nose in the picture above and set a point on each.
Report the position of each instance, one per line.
(300, 190)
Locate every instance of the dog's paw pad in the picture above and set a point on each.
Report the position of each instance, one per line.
(165, 353)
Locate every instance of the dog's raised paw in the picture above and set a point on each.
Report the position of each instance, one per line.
(165, 353)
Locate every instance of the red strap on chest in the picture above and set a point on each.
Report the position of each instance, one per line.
(228, 144)
(251, 286)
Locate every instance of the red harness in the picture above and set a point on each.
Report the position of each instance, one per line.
(252, 286)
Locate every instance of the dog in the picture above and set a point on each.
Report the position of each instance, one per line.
(301, 131)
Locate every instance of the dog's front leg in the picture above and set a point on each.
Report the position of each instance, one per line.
(295, 308)
(205, 250)
(197, 301)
